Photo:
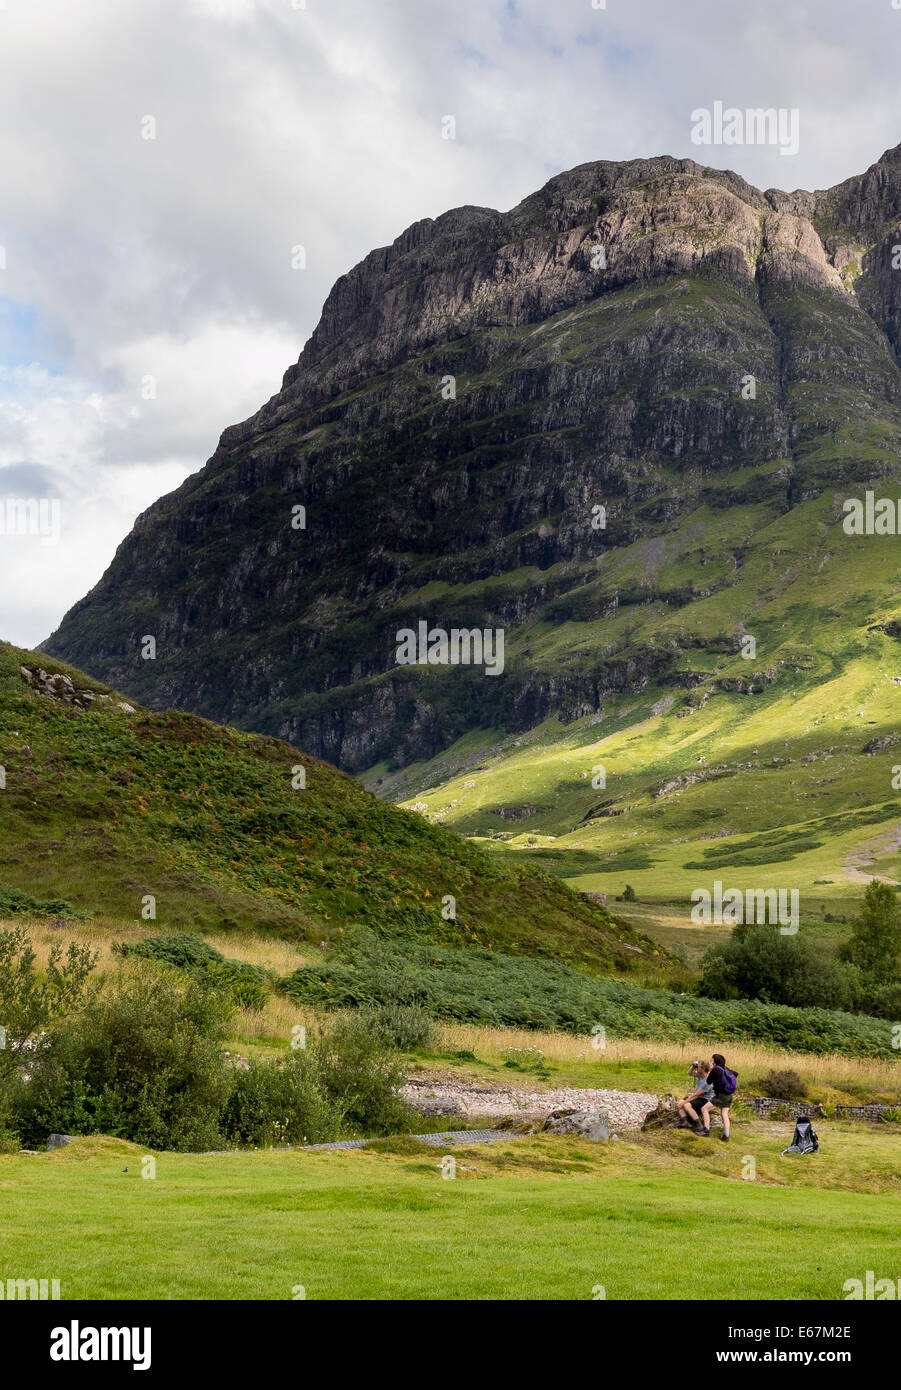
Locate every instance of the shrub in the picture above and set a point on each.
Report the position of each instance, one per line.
(360, 1077)
(184, 949)
(529, 1059)
(142, 1062)
(145, 1063)
(30, 1001)
(13, 901)
(783, 1085)
(874, 945)
(406, 1027)
(345, 1080)
(884, 1000)
(758, 962)
(244, 984)
(242, 990)
(280, 1103)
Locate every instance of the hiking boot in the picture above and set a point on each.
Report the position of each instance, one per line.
(724, 1138)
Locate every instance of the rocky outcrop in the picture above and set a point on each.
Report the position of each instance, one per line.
(880, 743)
(60, 687)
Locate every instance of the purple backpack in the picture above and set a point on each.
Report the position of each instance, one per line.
(730, 1081)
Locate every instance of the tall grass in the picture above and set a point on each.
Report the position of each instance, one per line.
(818, 1069)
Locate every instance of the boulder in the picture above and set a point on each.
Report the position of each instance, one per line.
(880, 743)
(663, 1116)
(587, 1124)
(57, 1141)
(666, 1116)
(518, 1125)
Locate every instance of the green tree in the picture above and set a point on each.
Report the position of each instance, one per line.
(32, 1000)
(874, 945)
(758, 962)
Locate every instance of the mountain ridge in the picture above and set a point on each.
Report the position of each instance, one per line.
(574, 387)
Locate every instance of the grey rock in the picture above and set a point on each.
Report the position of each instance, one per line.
(587, 1124)
(58, 1141)
(880, 743)
(663, 1116)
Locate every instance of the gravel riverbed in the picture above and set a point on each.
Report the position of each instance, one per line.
(454, 1095)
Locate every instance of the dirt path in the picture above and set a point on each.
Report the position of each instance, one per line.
(437, 1141)
(856, 862)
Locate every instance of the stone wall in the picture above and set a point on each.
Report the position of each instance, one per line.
(793, 1109)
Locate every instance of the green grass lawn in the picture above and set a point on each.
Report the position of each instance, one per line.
(648, 1217)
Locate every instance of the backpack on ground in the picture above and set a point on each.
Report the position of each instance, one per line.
(805, 1140)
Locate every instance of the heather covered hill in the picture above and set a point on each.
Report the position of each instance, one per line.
(106, 804)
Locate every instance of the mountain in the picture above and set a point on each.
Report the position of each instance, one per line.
(714, 366)
(105, 805)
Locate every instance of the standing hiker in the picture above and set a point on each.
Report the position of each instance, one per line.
(724, 1083)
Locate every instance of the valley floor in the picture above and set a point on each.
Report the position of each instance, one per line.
(659, 1216)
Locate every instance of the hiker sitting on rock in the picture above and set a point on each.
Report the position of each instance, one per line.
(694, 1111)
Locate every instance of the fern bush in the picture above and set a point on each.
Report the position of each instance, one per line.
(478, 986)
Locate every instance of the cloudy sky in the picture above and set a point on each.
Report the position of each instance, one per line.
(161, 158)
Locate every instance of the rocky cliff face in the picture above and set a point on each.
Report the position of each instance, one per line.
(656, 338)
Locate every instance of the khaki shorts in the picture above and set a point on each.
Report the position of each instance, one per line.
(722, 1102)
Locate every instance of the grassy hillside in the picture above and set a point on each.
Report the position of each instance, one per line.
(771, 771)
(106, 805)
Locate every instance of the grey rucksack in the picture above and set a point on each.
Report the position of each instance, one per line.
(805, 1140)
